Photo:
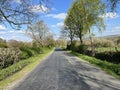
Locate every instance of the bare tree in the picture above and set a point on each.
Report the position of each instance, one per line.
(38, 32)
(19, 12)
(113, 4)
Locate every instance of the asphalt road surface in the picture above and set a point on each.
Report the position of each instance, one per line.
(62, 71)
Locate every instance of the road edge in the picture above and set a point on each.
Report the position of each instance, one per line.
(17, 81)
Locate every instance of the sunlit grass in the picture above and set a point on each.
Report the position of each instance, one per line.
(110, 68)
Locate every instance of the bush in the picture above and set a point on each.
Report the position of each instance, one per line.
(9, 56)
(103, 43)
(3, 43)
(26, 52)
(13, 68)
(109, 67)
(36, 50)
(20, 65)
(77, 47)
(113, 57)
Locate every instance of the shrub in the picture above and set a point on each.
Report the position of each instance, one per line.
(9, 56)
(113, 57)
(103, 43)
(77, 47)
(13, 68)
(26, 52)
(36, 48)
(110, 67)
(20, 65)
(3, 43)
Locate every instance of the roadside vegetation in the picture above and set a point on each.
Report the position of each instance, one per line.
(80, 20)
(111, 68)
(16, 55)
(82, 17)
(18, 58)
(16, 71)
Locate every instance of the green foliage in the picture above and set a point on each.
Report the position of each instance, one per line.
(109, 56)
(12, 69)
(83, 15)
(77, 47)
(28, 52)
(3, 43)
(111, 68)
(36, 48)
(21, 64)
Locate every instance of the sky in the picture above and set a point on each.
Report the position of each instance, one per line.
(55, 19)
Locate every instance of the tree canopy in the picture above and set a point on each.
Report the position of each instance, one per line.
(84, 14)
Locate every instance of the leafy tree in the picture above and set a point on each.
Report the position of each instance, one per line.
(83, 15)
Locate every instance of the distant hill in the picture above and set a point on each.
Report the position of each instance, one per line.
(110, 36)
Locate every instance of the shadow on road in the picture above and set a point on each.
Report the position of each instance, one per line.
(69, 79)
(88, 76)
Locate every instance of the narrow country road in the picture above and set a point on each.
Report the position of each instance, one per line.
(62, 71)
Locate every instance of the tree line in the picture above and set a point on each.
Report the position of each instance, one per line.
(83, 16)
(20, 12)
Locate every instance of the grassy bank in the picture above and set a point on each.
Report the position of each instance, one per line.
(113, 69)
(23, 67)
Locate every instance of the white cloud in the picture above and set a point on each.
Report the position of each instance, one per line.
(57, 16)
(53, 9)
(117, 28)
(1, 37)
(39, 8)
(21, 31)
(17, 1)
(60, 24)
(18, 32)
(3, 32)
(11, 31)
(110, 15)
(2, 27)
(113, 31)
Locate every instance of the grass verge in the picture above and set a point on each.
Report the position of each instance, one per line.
(23, 67)
(110, 68)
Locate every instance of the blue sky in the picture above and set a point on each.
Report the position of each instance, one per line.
(55, 19)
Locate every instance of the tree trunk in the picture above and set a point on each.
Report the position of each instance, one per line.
(71, 43)
(71, 40)
(80, 37)
(91, 42)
